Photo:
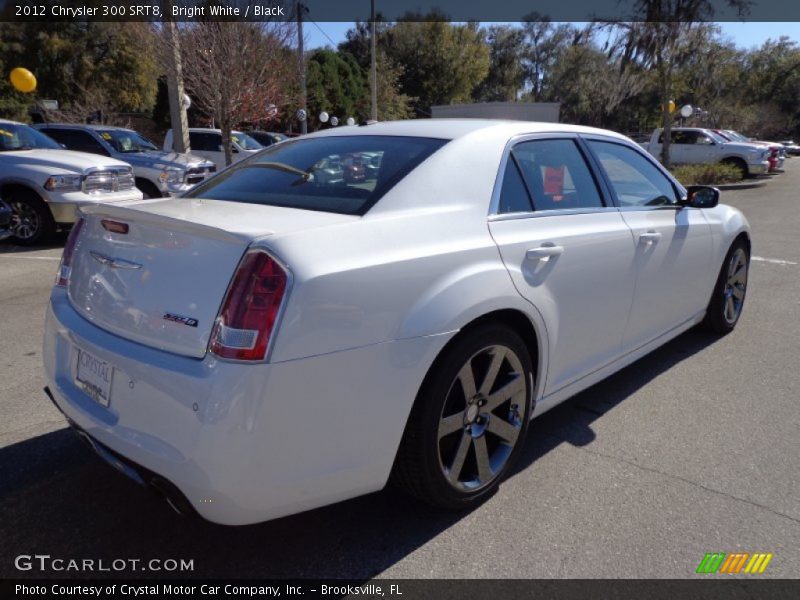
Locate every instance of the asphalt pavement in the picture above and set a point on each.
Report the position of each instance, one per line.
(693, 449)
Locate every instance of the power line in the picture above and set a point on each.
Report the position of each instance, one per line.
(322, 31)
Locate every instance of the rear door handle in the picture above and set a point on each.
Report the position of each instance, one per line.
(544, 252)
(649, 237)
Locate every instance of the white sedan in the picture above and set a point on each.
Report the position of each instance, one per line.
(277, 340)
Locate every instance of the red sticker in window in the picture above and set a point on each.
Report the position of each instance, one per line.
(554, 181)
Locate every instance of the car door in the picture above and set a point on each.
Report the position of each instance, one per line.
(673, 243)
(568, 252)
(208, 144)
(686, 149)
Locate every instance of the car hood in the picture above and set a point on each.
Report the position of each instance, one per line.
(67, 160)
(158, 159)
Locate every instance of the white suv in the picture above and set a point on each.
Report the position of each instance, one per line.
(44, 184)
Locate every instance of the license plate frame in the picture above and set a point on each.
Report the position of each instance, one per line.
(94, 376)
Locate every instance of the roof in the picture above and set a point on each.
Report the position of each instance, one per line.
(85, 126)
(455, 128)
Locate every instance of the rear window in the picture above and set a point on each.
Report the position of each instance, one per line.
(346, 175)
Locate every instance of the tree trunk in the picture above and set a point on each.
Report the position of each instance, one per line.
(225, 126)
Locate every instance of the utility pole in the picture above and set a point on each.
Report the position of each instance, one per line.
(177, 111)
(301, 64)
(373, 68)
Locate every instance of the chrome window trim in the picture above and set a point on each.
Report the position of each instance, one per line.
(560, 212)
(494, 204)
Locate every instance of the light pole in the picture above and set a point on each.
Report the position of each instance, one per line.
(373, 71)
(301, 64)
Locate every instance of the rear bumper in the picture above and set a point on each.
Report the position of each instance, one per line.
(243, 443)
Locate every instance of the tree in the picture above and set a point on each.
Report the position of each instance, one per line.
(545, 43)
(336, 84)
(392, 102)
(506, 76)
(442, 62)
(662, 38)
(86, 66)
(235, 69)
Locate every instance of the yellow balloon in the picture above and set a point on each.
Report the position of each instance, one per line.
(23, 80)
(671, 106)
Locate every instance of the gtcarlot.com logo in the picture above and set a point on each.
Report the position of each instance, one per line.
(45, 562)
(734, 563)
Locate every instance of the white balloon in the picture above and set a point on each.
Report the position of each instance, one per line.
(687, 111)
(187, 102)
(351, 121)
(334, 121)
(323, 117)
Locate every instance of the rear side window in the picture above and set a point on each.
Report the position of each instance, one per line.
(556, 175)
(205, 142)
(346, 174)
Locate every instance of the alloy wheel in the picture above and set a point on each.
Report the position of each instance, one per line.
(481, 419)
(735, 286)
(25, 221)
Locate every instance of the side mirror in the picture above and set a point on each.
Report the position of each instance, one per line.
(701, 196)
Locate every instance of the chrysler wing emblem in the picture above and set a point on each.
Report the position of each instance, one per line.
(114, 263)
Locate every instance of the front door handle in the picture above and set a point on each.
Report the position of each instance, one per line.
(649, 237)
(544, 252)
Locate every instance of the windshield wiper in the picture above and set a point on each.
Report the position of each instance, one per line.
(305, 175)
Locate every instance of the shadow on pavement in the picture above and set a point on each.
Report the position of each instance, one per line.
(59, 239)
(57, 498)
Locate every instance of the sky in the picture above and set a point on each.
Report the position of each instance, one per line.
(745, 35)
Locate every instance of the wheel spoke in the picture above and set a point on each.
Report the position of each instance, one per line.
(467, 380)
(482, 458)
(515, 386)
(738, 293)
(739, 276)
(460, 457)
(503, 429)
(494, 368)
(450, 424)
(729, 308)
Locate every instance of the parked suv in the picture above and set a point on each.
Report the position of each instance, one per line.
(44, 184)
(208, 144)
(158, 173)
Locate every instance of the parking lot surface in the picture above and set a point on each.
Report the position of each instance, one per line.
(692, 449)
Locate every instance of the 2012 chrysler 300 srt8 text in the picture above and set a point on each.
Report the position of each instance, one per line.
(282, 338)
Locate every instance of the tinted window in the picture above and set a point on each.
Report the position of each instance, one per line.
(125, 140)
(21, 137)
(556, 175)
(205, 141)
(513, 195)
(79, 141)
(636, 181)
(328, 174)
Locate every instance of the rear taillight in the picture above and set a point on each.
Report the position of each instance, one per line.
(65, 266)
(245, 323)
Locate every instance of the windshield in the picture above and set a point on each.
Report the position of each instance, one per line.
(717, 137)
(14, 136)
(738, 136)
(125, 140)
(244, 141)
(342, 174)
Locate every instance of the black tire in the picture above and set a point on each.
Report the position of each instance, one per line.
(148, 189)
(719, 318)
(739, 164)
(420, 468)
(31, 219)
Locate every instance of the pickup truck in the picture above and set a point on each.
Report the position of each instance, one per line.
(694, 145)
(158, 173)
(208, 144)
(44, 184)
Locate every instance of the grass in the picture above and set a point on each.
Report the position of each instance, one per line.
(707, 174)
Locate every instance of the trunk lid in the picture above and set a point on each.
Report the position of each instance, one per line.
(161, 284)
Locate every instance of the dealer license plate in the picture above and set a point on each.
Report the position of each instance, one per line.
(94, 376)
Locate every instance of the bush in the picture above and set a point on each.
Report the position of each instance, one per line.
(707, 174)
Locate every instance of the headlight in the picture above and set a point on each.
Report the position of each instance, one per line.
(172, 175)
(64, 183)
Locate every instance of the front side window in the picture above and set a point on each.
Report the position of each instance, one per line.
(556, 175)
(635, 180)
(326, 174)
(14, 136)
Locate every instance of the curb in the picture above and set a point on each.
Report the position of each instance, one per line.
(741, 186)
